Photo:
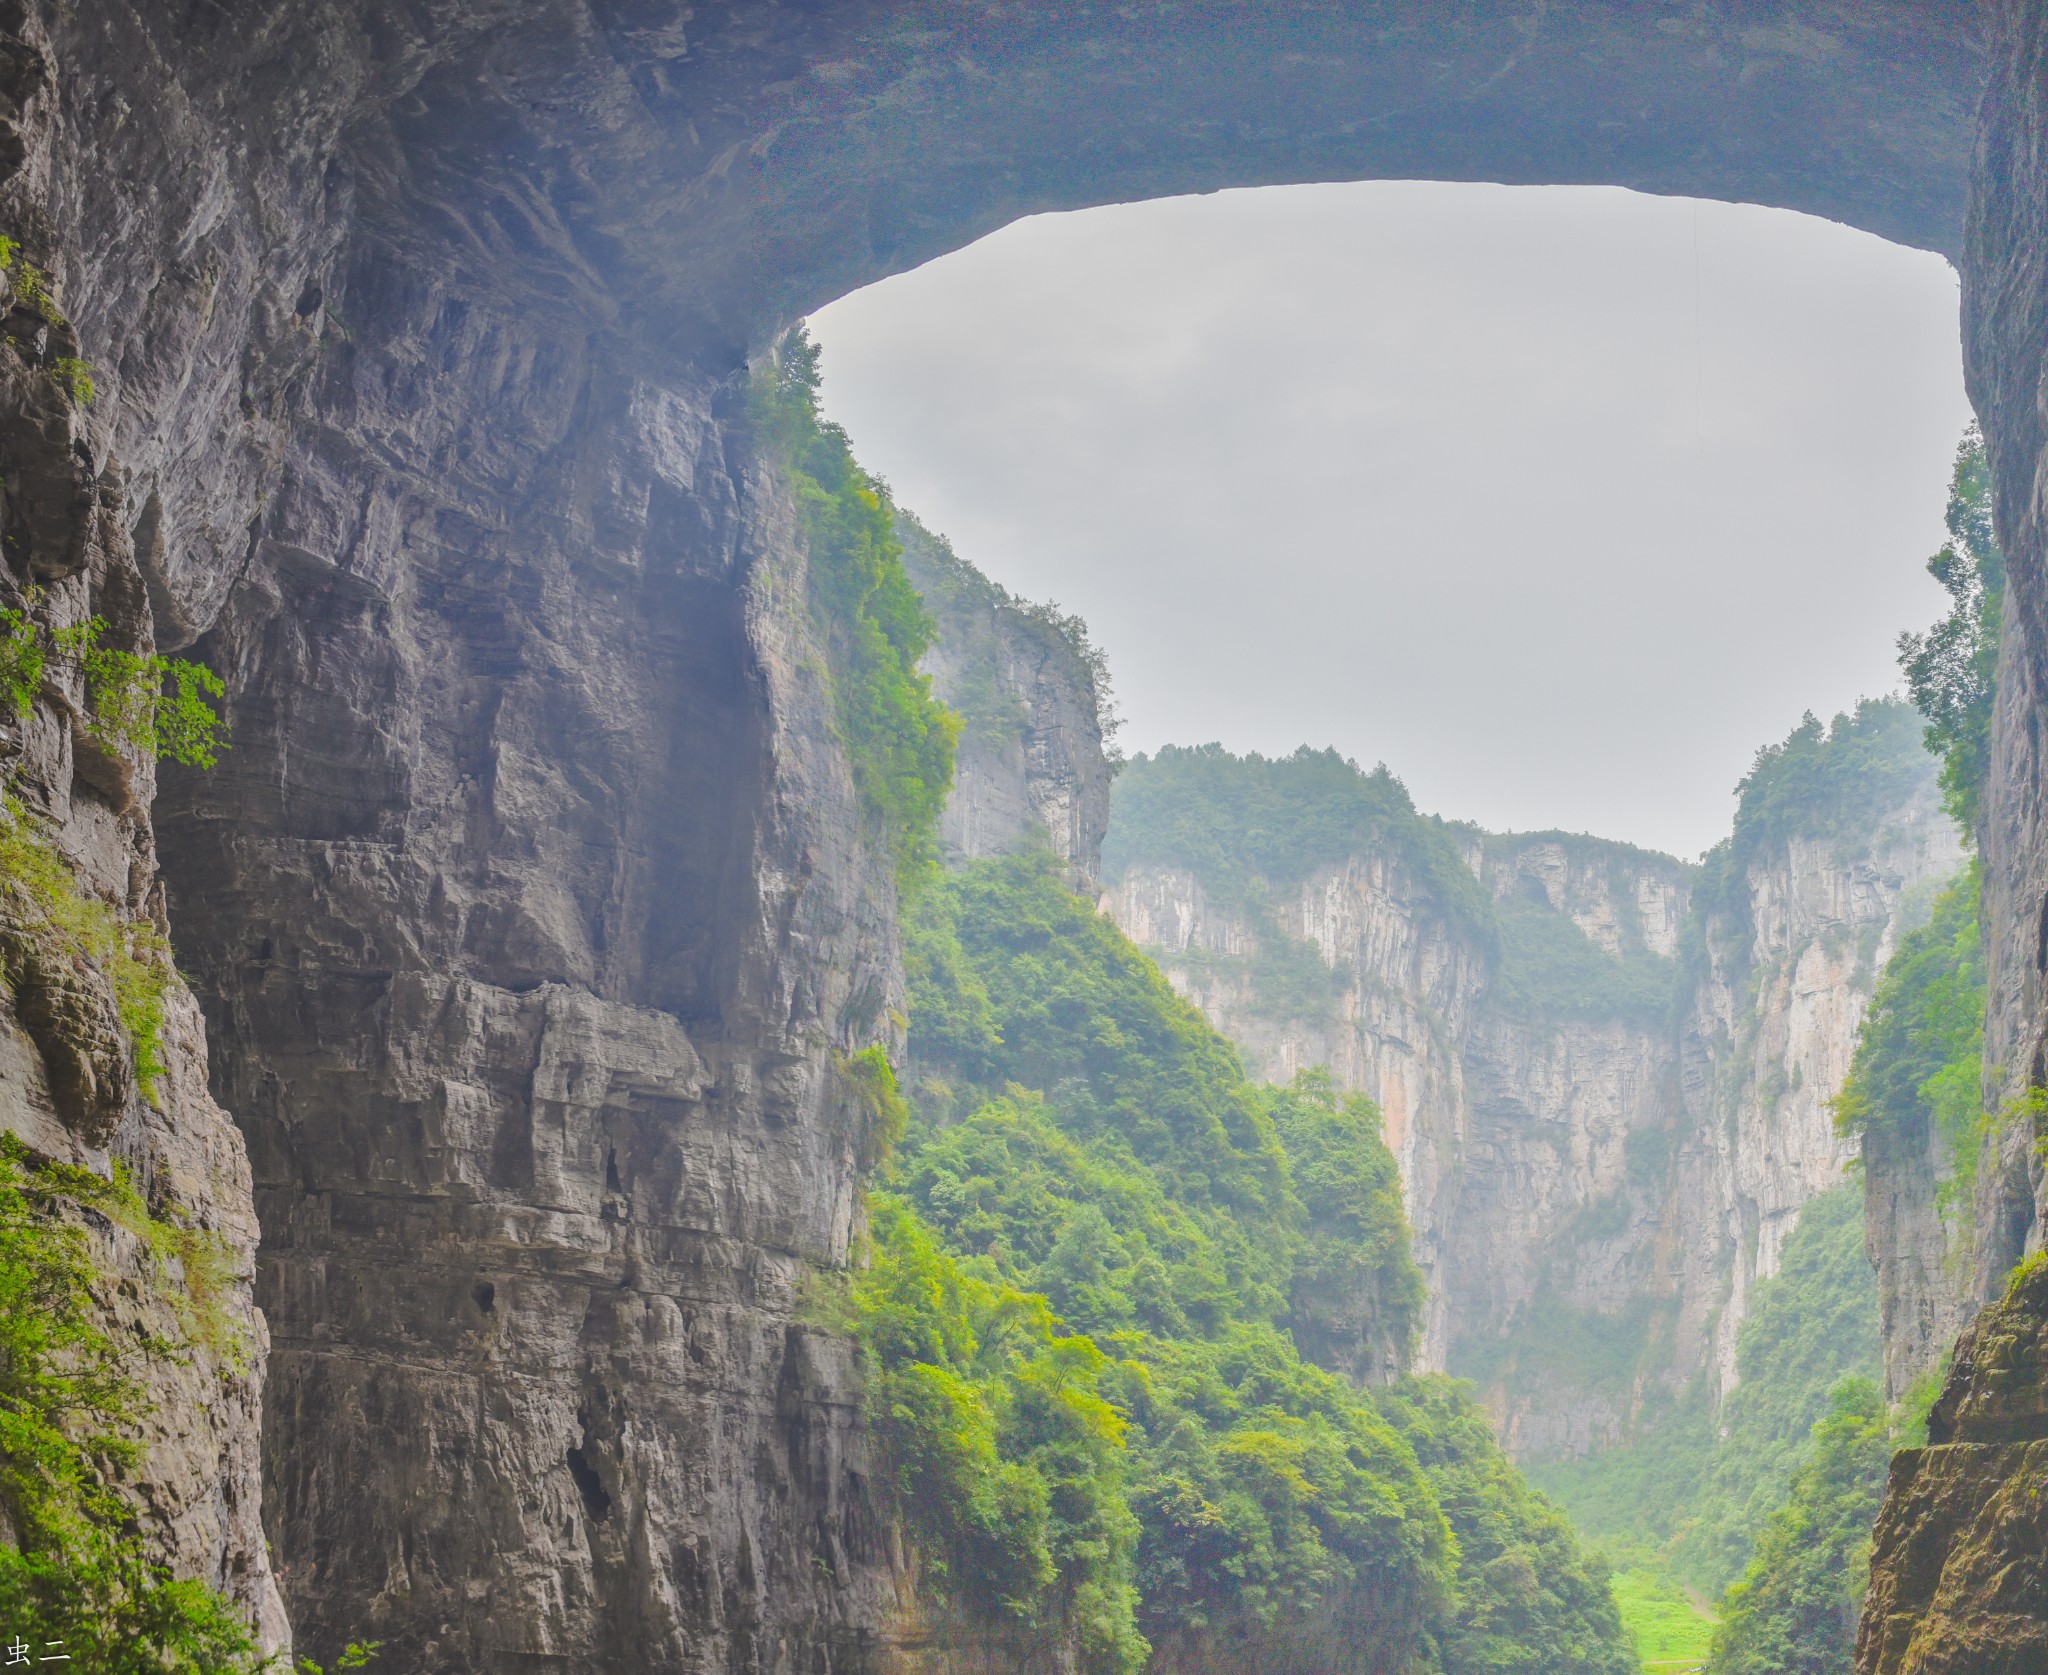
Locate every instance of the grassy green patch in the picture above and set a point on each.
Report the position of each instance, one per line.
(1669, 1631)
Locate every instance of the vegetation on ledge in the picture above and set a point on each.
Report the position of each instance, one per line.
(1919, 1061)
(41, 894)
(1232, 820)
(899, 738)
(77, 1565)
(1832, 782)
(1952, 670)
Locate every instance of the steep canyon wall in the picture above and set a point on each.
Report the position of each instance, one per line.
(1610, 1100)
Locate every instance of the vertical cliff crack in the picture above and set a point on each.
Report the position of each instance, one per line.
(596, 1502)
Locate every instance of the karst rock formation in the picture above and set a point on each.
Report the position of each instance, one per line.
(530, 908)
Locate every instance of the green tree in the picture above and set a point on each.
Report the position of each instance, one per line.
(1529, 1600)
(1952, 669)
(1919, 1053)
(1006, 1460)
(1356, 1301)
(1794, 1611)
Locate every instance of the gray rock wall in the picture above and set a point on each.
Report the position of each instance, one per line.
(1623, 1176)
(542, 916)
(1031, 766)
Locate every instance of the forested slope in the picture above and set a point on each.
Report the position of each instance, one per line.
(1085, 1154)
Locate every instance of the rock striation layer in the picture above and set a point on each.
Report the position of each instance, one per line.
(1959, 1565)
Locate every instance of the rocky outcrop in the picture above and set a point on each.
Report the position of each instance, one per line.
(1767, 1046)
(82, 850)
(527, 955)
(1026, 685)
(1597, 1176)
(1959, 1565)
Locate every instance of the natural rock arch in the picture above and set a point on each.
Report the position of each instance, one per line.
(733, 168)
(530, 905)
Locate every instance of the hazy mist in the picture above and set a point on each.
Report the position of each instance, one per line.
(1558, 500)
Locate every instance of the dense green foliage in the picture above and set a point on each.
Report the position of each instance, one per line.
(1952, 669)
(1832, 781)
(77, 1570)
(1235, 819)
(1086, 1017)
(1527, 1598)
(126, 702)
(1087, 1146)
(1920, 1051)
(1354, 1234)
(1794, 1611)
(899, 738)
(1693, 1489)
(1008, 1460)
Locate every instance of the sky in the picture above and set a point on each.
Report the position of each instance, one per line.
(1560, 501)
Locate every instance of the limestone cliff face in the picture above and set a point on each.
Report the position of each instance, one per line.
(527, 957)
(1596, 1178)
(69, 1086)
(1766, 1043)
(527, 911)
(1956, 1580)
(1031, 764)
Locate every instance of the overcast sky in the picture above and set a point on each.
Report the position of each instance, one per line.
(1560, 501)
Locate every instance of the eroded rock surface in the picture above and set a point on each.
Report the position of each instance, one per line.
(1031, 766)
(1959, 1569)
(69, 1084)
